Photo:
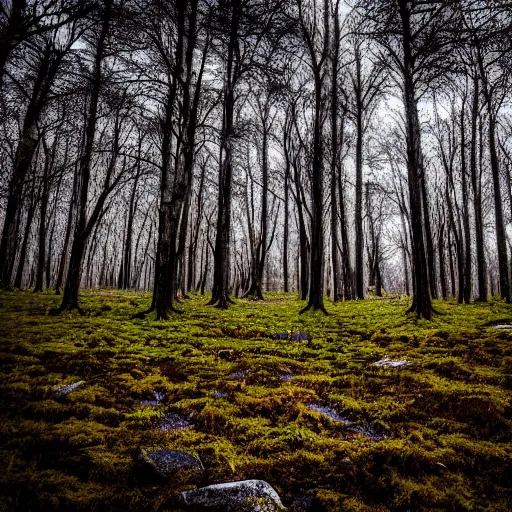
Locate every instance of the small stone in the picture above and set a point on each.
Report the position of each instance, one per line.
(64, 390)
(330, 412)
(240, 375)
(243, 496)
(168, 463)
(172, 422)
(302, 504)
(391, 363)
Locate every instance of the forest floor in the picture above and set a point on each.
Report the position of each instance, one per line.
(313, 417)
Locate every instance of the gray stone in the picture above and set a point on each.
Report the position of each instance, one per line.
(168, 463)
(375, 433)
(330, 412)
(64, 390)
(301, 504)
(171, 422)
(243, 496)
(391, 363)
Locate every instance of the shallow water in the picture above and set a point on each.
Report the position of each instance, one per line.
(374, 433)
(172, 421)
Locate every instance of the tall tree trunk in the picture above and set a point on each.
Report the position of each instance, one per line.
(24, 156)
(358, 211)
(421, 304)
(67, 236)
(335, 152)
(442, 269)
(83, 227)
(286, 227)
(222, 261)
(28, 225)
(465, 209)
(42, 216)
(175, 194)
(127, 256)
(501, 237)
(477, 195)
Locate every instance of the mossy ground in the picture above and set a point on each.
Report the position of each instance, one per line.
(448, 414)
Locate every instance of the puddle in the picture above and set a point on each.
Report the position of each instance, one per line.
(374, 433)
(291, 336)
(64, 390)
(172, 421)
(391, 363)
(286, 377)
(240, 375)
(501, 326)
(159, 396)
(220, 394)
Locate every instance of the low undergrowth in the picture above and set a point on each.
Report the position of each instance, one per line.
(447, 415)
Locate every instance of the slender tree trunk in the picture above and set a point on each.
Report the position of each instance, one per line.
(442, 269)
(465, 211)
(335, 151)
(42, 216)
(286, 226)
(83, 226)
(28, 226)
(501, 238)
(421, 304)
(316, 285)
(358, 212)
(477, 196)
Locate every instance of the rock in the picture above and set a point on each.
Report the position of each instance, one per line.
(330, 412)
(306, 504)
(169, 463)
(64, 390)
(292, 336)
(391, 363)
(375, 433)
(301, 504)
(172, 422)
(243, 496)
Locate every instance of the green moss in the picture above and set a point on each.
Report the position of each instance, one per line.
(448, 414)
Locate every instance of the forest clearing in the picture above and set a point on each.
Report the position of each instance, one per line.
(315, 418)
(255, 255)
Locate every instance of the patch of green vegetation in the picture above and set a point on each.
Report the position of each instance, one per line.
(447, 415)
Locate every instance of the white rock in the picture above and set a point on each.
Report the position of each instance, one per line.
(391, 363)
(243, 496)
(64, 390)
